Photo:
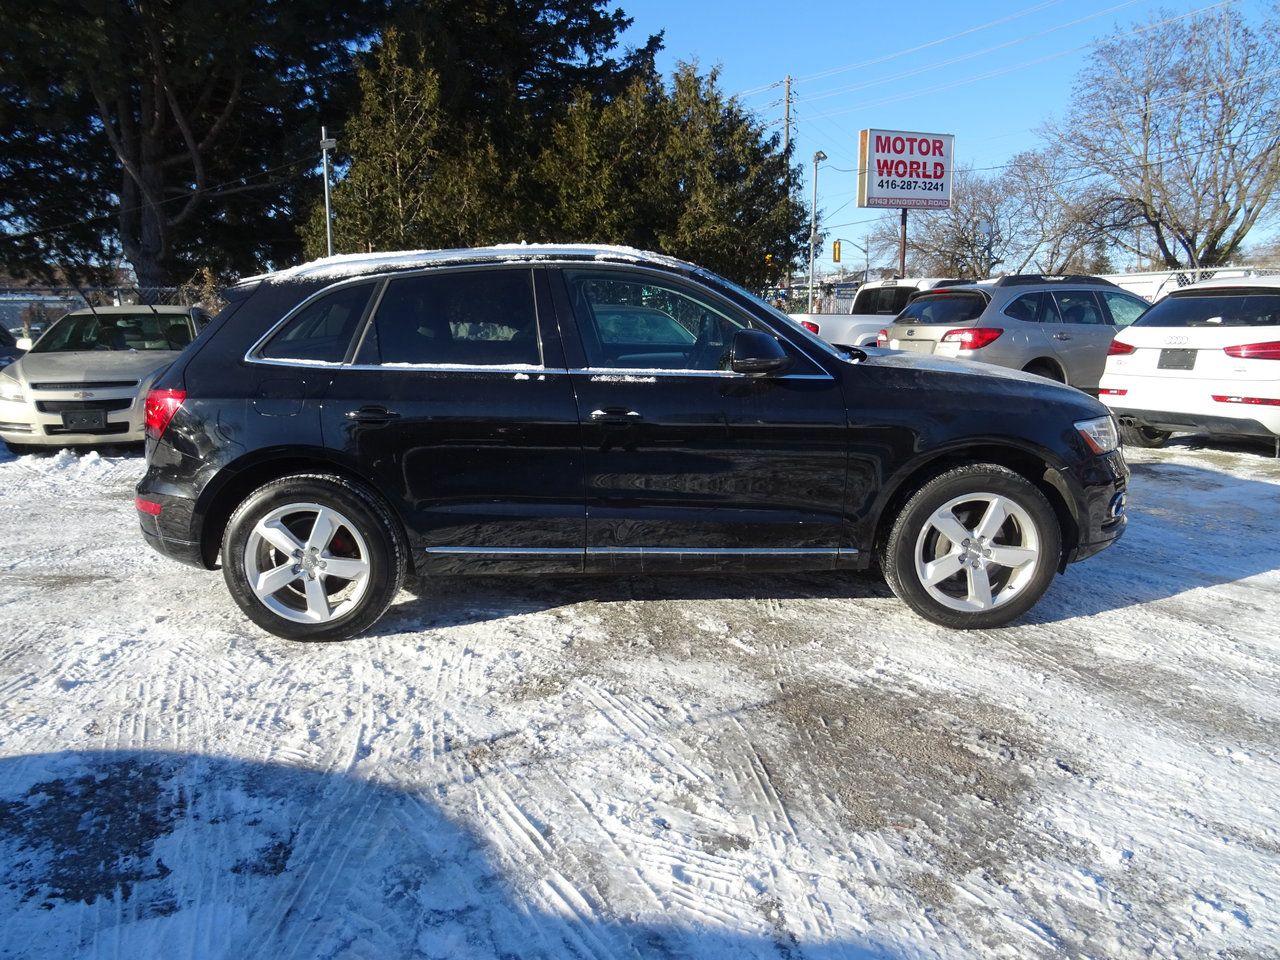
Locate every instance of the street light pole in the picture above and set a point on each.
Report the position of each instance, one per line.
(327, 143)
(818, 157)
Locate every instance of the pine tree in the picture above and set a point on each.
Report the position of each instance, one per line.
(393, 140)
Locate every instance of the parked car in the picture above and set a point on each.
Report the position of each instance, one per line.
(1057, 327)
(1204, 359)
(874, 305)
(9, 349)
(84, 381)
(468, 411)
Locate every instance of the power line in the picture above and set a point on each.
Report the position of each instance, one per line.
(1022, 66)
(1035, 8)
(938, 65)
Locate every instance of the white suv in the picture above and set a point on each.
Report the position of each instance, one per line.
(1204, 359)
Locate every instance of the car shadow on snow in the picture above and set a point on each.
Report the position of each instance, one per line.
(152, 854)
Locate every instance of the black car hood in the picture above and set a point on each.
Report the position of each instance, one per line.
(945, 374)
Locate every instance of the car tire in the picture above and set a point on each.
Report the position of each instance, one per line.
(1046, 370)
(1028, 540)
(291, 590)
(1132, 435)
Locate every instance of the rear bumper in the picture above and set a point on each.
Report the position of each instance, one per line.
(184, 551)
(1188, 422)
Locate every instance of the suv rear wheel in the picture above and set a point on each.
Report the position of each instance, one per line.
(975, 547)
(1042, 368)
(313, 557)
(1133, 435)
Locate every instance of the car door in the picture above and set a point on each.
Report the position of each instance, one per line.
(1082, 339)
(687, 462)
(458, 400)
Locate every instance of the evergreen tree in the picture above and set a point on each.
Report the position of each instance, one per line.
(180, 132)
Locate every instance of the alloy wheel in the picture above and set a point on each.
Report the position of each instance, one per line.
(307, 562)
(977, 552)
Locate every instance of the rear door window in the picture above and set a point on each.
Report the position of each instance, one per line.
(939, 308)
(321, 331)
(474, 318)
(1234, 309)
(1079, 306)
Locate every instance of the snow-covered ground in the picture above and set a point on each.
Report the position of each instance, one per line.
(745, 767)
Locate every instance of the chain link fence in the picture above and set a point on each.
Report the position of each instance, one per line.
(28, 311)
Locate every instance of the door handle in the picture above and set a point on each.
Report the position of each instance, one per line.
(1062, 336)
(615, 415)
(372, 414)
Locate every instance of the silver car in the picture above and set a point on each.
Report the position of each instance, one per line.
(85, 380)
(1057, 327)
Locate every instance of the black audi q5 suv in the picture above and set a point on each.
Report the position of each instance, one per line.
(574, 409)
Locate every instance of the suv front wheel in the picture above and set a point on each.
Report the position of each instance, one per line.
(313, 557)
(975, 547)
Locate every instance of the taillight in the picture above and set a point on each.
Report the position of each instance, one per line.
(160, 408)
(1255, 351)
(1112, 392)
(149, 507)
(1259, 401)
(882, 338)
(809, 325)
(972, 338)
(1119, 348)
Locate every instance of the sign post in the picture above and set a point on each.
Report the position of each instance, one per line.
(904, 169)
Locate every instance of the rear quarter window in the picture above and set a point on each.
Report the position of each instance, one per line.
(322, 330)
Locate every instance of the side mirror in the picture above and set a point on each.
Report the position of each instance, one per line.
(755, 351)
(24, 343)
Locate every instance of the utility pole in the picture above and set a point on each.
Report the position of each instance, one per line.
(818, 157)
(786, 122)
(786, 153)
(327, 143)
(902, 246)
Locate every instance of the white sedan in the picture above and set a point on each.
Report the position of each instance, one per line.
(1204, 359)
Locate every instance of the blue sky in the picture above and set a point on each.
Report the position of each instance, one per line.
(1034, 46)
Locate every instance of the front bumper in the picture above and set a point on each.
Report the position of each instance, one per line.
(38, 419)
(1101, 503)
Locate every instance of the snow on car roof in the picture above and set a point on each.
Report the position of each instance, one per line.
(133, 308)
(355, 264)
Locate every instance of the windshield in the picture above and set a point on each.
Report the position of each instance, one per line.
(792, 326)
(116, 331)
(951, 308)
(1216, 309)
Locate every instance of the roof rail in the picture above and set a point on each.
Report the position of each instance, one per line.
(1026, 279)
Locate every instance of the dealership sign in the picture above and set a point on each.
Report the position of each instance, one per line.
(898, 168)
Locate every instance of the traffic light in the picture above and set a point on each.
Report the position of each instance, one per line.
(835, 252)
(768, 260)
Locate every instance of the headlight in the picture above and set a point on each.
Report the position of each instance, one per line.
(10, 389)
(1100, 435)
